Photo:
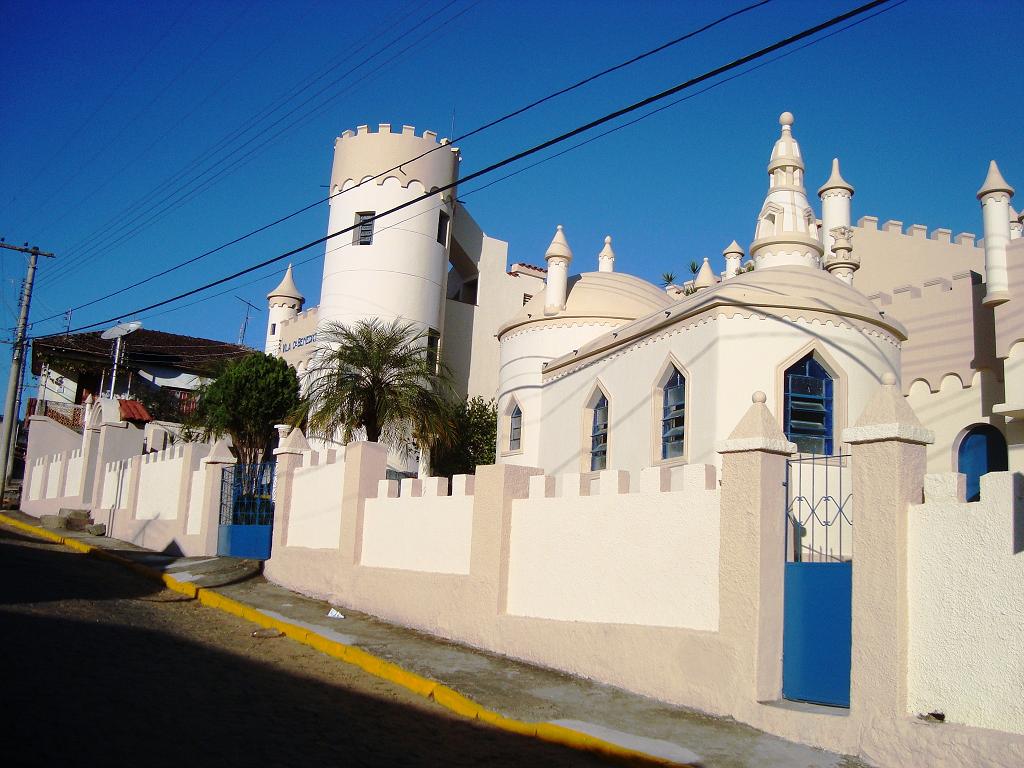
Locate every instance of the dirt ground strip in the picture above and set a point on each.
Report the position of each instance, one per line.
(102, 666)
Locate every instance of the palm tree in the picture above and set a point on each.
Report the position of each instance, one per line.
(383, 378)
(668, 278)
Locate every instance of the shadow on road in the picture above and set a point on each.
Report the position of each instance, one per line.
(84, 691)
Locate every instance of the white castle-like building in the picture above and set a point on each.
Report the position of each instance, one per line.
(602, 369)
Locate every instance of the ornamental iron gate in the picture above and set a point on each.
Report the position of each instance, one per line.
(817, 614)
(246, 510)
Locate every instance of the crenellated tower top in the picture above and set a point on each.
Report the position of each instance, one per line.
(364, 153)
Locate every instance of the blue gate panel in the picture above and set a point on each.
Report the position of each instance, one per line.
(816, 633)
(251, 541)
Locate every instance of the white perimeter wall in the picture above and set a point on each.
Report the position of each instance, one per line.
(965, 570)
(623, 558)
(73, 479)
(53, 476)
(115, 484)
(160, 484)
(35, 488)
(197, 494)
(314, 518)
(418, 533)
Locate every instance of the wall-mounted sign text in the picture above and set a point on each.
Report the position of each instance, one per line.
(299, 342)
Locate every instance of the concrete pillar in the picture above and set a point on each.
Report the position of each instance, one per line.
(220, 456)
(752, 558)
(888, 466)
(288, 456)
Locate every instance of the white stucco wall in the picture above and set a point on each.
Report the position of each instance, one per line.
(53, 478)
(73, 479)
(951, 410)
(432, 534)
(35, 487)
(523, 352)
(197, 493)
(724, 359)
(160, 484)
(965, 568)
(314, 519)
(623, 558)
(115, 484)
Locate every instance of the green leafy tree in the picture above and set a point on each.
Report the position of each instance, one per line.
(476, 433)
(252, 395)
(381, 378)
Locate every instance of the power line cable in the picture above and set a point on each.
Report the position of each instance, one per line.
(251, 123)
(119, 230)
(102, 105)
(473, 132)
(761, 53)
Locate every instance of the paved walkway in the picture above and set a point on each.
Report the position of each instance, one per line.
(522, 693)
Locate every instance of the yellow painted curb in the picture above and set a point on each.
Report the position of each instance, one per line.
(441, 694)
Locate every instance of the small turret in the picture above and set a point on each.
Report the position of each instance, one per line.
(558, 257)
(787, 229)
(284, 303)
(842, 262)
(835, 195)
(705, 276)
(995, 195)
(733, 258)
(606, 258)
(1016, 224)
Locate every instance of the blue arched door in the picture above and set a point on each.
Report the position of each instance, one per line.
(982, 450)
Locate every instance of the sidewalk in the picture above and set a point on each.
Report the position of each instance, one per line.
(510, 694)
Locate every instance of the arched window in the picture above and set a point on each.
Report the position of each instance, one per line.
(673, 415)
(515, 429)
(982, 450)
(808, 406)
(599, 435)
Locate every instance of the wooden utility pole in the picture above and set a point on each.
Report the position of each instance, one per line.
(17, 359)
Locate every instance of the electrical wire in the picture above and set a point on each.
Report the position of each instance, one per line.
(125, 229)
(761, 53)
(475, 131)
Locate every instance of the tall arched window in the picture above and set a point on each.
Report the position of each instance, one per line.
(515, 429)
(808, 406)
(982, 450)
(673, 416)
(599, 435)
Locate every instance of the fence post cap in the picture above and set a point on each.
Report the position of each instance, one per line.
(757, 431)
(888, 416)
(220, 453)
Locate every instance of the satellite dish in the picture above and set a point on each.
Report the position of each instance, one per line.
(121, 329)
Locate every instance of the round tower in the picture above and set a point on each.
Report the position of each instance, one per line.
(284, 303)
(787, 229)
(394, 266)
(994, 196)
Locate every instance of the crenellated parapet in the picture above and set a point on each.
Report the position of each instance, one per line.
(364, 153)
(941, 341)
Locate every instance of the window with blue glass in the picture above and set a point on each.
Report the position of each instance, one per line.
(673, 416)
(515, 429)
(599, 435)
(808, 406)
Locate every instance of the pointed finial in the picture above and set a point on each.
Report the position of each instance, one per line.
(786, 120)
(287, 288)
(559, 246)
(835, 180)
(705, 277)
(994, 182)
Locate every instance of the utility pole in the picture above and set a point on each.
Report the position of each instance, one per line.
(17, 358)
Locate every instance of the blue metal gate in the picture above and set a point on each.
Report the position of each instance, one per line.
(816, 639)
(246, 511)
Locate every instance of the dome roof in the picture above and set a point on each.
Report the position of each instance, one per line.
(792, 287)
(778, 291)
(604, 295)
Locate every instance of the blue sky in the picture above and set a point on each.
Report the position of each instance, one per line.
(108, 106)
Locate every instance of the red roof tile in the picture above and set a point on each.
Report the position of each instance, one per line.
(133, 410)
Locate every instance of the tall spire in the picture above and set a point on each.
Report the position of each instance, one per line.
(787, 228)
(558, 257)
(287, 289)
